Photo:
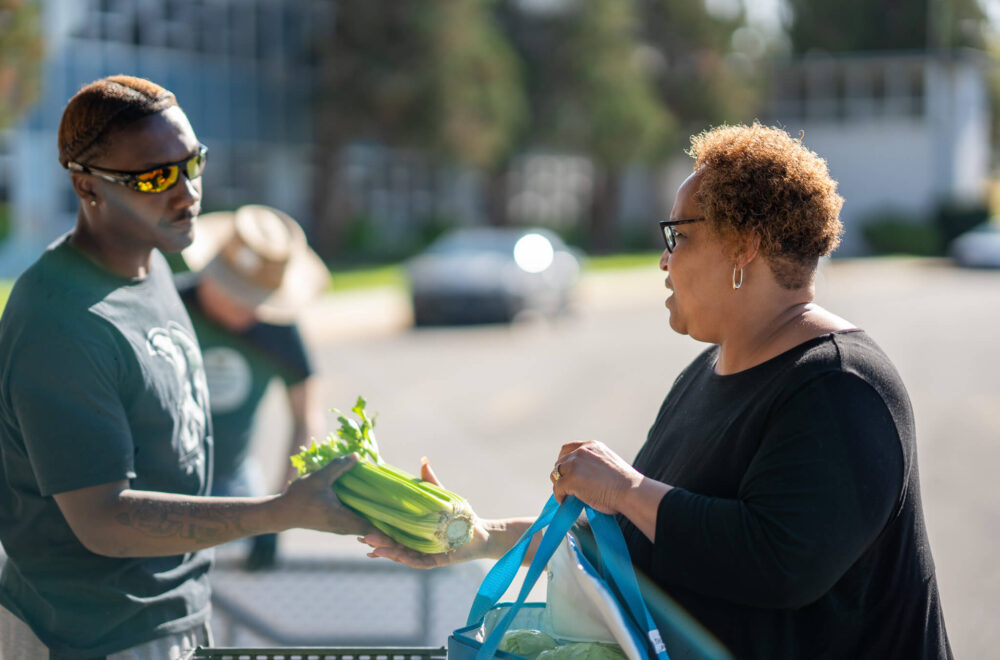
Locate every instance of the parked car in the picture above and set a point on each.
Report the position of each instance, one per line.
(979, 247)
(491, 275)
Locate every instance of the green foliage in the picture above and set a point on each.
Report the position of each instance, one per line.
(896, 233)
(5, 287)
(623, 261)
(872, 25)
(475, 73)
(434, 76)
(993, 84)
(601, 101)
(364, 241)
(367, 277)
(351, 437)
(696, 77)
(5, 223)
(953, 219)
(361, 236)
(478, 82)
(21, 50)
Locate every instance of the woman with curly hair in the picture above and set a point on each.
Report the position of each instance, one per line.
(776, 497)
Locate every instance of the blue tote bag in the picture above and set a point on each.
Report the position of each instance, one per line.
(630, 620)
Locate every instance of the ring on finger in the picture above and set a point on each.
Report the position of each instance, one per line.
(556, 475)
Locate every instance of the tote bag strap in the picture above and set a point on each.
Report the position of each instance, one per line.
(616, 565)
(499, 578)
(562, 521)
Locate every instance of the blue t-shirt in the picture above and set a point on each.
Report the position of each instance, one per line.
(101, 380)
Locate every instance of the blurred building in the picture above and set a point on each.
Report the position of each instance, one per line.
(241, 69)
(903, 134)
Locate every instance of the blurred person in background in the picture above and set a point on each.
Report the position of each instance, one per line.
(252, 274)
(105, 435)
(777, 495)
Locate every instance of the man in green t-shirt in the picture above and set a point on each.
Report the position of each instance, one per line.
(252, 272)
(105, 435)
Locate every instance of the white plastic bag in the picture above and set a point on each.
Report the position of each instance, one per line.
(579, 606)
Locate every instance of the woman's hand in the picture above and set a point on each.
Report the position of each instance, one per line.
(383, 546)
(602, 480)
(596, 475)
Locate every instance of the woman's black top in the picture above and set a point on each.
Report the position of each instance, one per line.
(795, 528)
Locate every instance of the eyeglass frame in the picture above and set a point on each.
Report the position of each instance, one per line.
(669, 235)
(129, 179)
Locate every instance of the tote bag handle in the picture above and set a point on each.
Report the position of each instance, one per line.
(616, 567)
(561, 520)
(499, 578)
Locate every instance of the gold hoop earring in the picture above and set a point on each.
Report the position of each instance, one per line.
(736, 284)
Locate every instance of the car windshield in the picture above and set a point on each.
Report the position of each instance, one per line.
(476, 241)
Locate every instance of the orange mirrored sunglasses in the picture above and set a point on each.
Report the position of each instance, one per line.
(157, 180)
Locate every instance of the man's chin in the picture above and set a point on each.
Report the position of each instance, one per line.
(177, 242)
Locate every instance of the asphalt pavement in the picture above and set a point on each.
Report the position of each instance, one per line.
(491, 405)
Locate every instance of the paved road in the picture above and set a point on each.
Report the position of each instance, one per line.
(490, 406)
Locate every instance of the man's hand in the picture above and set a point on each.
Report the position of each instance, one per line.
(309, 502)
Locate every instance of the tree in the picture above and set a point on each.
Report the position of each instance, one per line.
(21, 53)
(589, 93)
(609, 106)
(437, 76)
(875, 25)
(696, 76)
(626, 81)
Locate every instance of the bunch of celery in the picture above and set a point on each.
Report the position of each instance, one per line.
(413, 512)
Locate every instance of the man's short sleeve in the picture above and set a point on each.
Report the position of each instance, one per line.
(66, 399)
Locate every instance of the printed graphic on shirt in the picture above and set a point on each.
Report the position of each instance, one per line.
(175, 345)
(229, 378)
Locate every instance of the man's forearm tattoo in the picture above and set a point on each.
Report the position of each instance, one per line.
(186, 520)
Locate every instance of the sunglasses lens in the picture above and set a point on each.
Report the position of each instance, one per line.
(157, 180)
(195, 166)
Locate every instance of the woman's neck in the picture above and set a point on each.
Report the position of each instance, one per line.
(758, 339)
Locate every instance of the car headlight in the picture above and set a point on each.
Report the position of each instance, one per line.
(533, 253)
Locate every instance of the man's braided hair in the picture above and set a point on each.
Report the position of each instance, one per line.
(103, 107)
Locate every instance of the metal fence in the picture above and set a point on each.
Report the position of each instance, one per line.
(322, 601)
(344, 602)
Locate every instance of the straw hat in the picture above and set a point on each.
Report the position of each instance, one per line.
(259, 256)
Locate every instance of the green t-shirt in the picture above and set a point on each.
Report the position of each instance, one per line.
(101, 379)
(239, 366)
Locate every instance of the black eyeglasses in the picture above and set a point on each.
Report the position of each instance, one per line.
(157, 180)
(669, 235)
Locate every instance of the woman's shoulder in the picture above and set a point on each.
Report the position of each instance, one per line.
(848, 358)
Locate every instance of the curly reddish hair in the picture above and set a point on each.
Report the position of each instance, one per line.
(759, 180)
(103, 107)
